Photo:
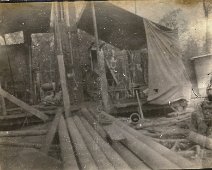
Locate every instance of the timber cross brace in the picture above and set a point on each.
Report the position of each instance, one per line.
(23, 105)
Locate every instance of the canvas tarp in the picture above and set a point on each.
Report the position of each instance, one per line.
(168, 80)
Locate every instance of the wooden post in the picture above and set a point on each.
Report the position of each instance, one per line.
(61, 65)
(101, 63)
(139, 105)
(2, 103)
(74, 50)
(28, 43)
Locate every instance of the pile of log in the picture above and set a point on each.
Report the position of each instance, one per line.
(86, 144)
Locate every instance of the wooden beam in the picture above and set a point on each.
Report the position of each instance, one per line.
(17, 133)
(28, 44)
(67, 152)
(52, 131)
(85, 158)
(20, 144)
(23, 105)
(101, 63)
(2, 103)
(60, 59)
(139, 105)
(96, 152)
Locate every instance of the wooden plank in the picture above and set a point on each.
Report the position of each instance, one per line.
(96, 152)
(114, 133)
(110, 153)
(2, 103)
(67, 152)
(165, 152)
(22, 133)
(85, 158)
(52, 131)
(23, 105)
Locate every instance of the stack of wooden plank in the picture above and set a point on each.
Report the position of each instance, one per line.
(86, 144)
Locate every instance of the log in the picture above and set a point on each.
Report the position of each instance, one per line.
(67, 152)
(24, 145)
(187, 153)
(132, 160)
(204, 141)
(52, 131)
(44, 108)
(175, 158)
(169, 121)
(23, 105)
(127, 155)
(14, 109)
(114, 133)
(85, 158)
(170, 140)
(96, 152)
(94, 123)
(152, 158)
(110, 153)
(18, 133)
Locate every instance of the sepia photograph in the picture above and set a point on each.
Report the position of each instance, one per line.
(105, 85)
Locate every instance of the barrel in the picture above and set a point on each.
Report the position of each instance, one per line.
(203, 67)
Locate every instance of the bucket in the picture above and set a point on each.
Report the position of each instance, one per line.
(203, 67)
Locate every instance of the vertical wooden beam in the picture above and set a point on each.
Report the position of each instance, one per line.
(2, 103)
(139, 105)
(70, 11)
(61, 65)
(28, 43)
(101, 63)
